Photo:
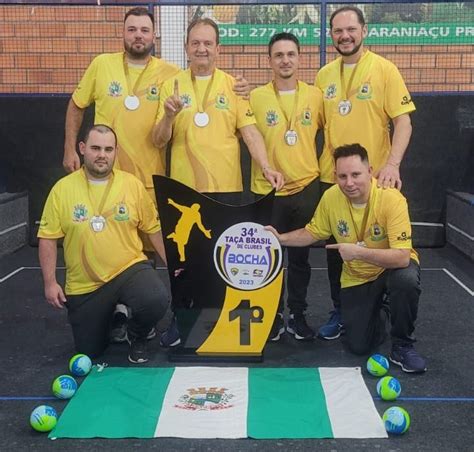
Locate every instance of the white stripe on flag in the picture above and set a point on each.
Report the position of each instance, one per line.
(350, 405)
(218, 408)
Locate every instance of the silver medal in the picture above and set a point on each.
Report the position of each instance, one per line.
(345, 107)
(201, 119)
(97, 223)
(131, 102)
(291, 137)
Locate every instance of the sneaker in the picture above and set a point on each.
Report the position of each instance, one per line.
(118, 331)
(333, 328)
(171, 337)
(278, 328)
(151, 334)
(138, 352)
(298, 327)
(407, 358)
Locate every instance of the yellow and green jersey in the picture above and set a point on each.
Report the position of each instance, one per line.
(388, 226)
(94, 258)
(298, 163)
(377, 94)
(207, 159)
(105, 83)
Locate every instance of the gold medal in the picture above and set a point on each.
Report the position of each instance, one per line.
(344, 107)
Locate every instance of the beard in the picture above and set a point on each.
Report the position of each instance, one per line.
(351, 52)
(138, 53)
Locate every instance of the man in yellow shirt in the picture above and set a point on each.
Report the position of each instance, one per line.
(99, 212)
(288, 114)
(373, 233)
(201, 117)
(363, 93)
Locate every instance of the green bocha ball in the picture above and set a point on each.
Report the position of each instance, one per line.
(388, 388)
(64, 387)
(43, 418)
(377, 365)
(80, 365)
(396, 420)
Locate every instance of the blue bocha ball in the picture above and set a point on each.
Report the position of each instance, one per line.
(388, 388)
(80, 365)
(396, 420)
(43, 418)
(377, 365)
(64, 387)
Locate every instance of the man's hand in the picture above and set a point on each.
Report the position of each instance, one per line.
(242, 87)
(173, 104)
(389, 176)
(273, 231)
(71, 161)
(54, 295)
(275, 178)
(348, 251)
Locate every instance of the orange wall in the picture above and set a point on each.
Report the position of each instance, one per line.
(46, 49)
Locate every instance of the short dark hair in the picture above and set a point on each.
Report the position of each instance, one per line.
(203, 21)
(348, 150)
(101, 128)
(354, 9)
(139, 11)
(283, 36)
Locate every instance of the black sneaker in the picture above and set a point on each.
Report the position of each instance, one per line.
(278, 328)
(118, 331)
(299, 328)
(138, 352)
(151, 334)
(407, 358)
(171, 337)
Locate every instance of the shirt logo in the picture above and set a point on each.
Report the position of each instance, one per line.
(115, 89)
(153, 93)
(365, 91)
(306, 118)
(185, 100)
(403, 237)
(342, 228)
(79, 214)
(377, 233)
(331, 91)
(222, 102)
(121, 212)
(406, 100)
(272, 118)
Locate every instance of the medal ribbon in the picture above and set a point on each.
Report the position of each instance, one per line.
(201, 106)
(104, 196)
(292, 117)
(343, 81)
(360, 235)
(127, 76)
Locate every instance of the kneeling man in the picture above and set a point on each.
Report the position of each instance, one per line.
(99, 211)
(381, 273)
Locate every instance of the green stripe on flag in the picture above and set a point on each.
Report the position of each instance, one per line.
(115, 403)
(287, 403)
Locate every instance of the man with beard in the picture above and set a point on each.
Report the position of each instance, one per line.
(362, 93)
(125, 87)
(289, 114)
(99, 211)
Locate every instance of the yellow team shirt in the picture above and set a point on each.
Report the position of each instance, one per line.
(388, 226)
(207, 159)
(378, 93)
(298, 163)
(105, 83)
(93, 258)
